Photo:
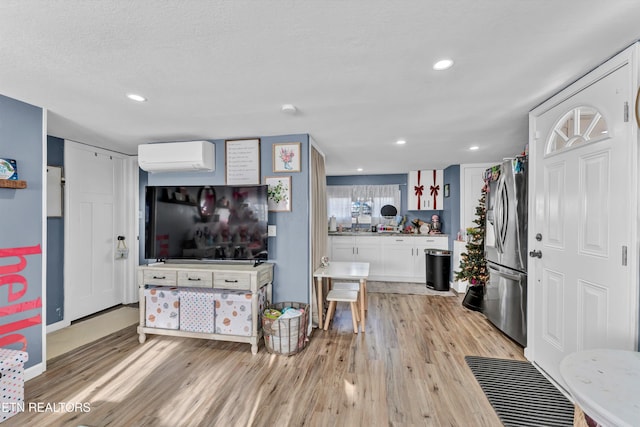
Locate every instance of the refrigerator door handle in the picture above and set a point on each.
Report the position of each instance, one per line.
(498, 222)
(511, 276)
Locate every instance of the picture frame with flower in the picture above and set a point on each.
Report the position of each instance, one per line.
(286, 157)
(278, 193)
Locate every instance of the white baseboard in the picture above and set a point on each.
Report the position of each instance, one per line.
(33, 371)
(58, 325)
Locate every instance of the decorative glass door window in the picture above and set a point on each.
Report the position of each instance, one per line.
(582, 125)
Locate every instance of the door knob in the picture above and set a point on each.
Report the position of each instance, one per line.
(535, 254)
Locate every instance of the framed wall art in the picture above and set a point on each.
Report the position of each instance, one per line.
(286, 157)
(278, 193)
(242, 161)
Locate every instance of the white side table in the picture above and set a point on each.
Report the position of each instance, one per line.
(605, 384)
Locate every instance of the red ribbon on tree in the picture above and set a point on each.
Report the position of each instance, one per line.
(418, 189)
(434, 190)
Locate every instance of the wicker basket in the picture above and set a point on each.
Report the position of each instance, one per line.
(286, 336)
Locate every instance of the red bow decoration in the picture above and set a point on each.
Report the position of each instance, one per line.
(418, 189)
(434, 190)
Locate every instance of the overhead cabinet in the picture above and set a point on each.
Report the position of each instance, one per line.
(425, 190)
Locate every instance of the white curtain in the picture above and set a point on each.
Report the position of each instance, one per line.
(339, 203)
(340, 198)
(319, 221)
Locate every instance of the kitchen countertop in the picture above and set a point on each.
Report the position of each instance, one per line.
(370, 233)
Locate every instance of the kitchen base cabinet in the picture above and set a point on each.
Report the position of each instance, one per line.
(342, 248)
(398, 255)
(358, 249)
(392, 257)
(404, 257)
(423, 243)
(252, 283)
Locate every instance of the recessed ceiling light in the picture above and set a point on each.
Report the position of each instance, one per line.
(136, 97)
(401, 142)
(443, 64)
(359, 169)
(474, 148)
(289, 108)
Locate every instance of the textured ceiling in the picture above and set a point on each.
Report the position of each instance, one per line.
(358, 71)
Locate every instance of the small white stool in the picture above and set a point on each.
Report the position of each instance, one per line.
(342, 295)
(346, 286)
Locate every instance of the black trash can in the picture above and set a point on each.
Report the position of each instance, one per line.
(438, 267)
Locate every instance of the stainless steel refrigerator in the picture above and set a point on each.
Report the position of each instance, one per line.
(505, 297)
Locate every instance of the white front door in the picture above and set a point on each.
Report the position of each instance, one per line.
(94, 218)
(582, 289)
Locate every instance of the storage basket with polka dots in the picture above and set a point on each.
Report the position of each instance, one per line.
(11, 382)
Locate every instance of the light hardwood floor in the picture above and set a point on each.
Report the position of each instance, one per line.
(407, 369)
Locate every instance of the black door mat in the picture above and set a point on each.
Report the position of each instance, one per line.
(520, 395)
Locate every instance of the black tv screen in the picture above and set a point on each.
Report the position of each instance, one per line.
(206, 222)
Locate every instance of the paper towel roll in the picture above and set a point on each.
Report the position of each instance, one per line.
(332, 223)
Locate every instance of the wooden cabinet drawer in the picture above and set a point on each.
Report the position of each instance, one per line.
(232, 281)
(196, 279)
(159, 277)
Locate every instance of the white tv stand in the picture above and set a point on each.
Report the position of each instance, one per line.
(214, 276)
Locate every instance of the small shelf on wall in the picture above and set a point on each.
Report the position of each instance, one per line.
(12, 183)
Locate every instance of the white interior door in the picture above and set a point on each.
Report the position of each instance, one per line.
(471, 183)
(95, 217)
(582, 289)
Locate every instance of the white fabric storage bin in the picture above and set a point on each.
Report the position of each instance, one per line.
(11, 382)
(162, 307)
(197, 310)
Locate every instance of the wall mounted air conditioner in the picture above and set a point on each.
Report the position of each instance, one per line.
(187, 156)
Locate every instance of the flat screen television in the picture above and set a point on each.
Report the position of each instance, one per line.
(211, 222)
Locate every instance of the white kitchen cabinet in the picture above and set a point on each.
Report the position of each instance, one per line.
(404, 258)
(392, 258)
(360, 249)
(425, 190)
(398, 257)
(422, 243)
(342, 248)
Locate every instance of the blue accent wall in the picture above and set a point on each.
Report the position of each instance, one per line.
(21, 138)
(451, 213)
(55, 244)
(289, 250)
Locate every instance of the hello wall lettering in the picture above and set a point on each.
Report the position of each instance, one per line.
(17, 287)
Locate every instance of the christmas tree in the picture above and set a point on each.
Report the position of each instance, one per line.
(473, 267)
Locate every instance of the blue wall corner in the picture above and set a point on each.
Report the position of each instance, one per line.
(22, 227)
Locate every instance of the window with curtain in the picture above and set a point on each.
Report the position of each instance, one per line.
(361, 204)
